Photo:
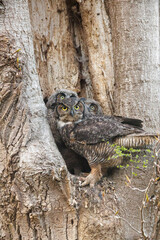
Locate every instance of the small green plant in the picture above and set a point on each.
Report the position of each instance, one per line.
(134, 155)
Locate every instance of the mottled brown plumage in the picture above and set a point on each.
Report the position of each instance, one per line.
(91, 107)
(59, 96)
(75, 163)
(93, 137)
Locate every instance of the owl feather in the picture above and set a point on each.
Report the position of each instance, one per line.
(95, 137)
(75, 163)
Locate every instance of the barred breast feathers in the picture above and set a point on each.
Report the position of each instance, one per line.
(142, 140)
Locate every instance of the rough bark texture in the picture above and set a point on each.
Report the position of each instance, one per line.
(29, 158)
(135, 36)
(73, 48)
(55, 55)
(95, 24)
(56, 44)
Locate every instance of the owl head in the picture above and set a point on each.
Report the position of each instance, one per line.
(71, 110)
(92, 107)
(59, 97)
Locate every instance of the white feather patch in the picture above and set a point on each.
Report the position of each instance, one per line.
(61, 124)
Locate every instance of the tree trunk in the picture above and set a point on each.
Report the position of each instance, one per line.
(55, 54)
(96, 29)
(47, 45)
(135, 35)
(31, 165)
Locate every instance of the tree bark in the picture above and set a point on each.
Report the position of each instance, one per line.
(49, 44)
(55, 54)
(135, 36)
(31, 165)
(96, 29)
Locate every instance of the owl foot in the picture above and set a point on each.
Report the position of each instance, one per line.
(84, 175)
(94, 176)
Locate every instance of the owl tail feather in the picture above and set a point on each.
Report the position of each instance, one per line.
(142, 140)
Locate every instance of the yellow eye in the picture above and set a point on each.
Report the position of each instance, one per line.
(76, 107)
(62, 97)
(64, 108)
(92, 107)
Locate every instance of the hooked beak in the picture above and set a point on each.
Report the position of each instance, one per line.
(72, 112)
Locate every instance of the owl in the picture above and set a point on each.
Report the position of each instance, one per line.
(92, 107)
(75, 163)
(94, 137)
(58, 97)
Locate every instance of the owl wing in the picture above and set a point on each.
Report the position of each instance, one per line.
(100, 129)
(130, 121)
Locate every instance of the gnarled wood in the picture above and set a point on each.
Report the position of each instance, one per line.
(39, 199)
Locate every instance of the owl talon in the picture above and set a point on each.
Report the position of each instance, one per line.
(90, 180)
(84, 174)
(82, 178)
(94, 176)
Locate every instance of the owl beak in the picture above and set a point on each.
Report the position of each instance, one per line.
(72, 112)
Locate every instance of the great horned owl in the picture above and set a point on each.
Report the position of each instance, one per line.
(92, 107)
(58, 97)
(75, 163)
(93, 137)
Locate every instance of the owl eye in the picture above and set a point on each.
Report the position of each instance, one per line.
(64, 108)
(62, 97)
(76, 107)
(92, 107)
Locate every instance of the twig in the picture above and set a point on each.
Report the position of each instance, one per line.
(119, 217)
(143, 205)
(129, 224)
(145, 198)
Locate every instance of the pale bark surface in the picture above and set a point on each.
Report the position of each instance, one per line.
(57, 65)
(135, 36)
(30, 160)
(96, 29)
(46, 45)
